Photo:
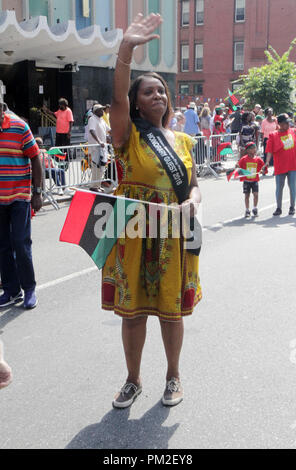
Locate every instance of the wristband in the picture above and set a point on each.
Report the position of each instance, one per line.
(124, 63)
(37, 190)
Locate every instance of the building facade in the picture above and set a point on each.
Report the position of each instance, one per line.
(54, 48)
(219, 40)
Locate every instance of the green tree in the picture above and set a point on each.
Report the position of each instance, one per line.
(272, 84)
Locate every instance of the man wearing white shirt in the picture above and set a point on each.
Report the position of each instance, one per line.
(97, 134)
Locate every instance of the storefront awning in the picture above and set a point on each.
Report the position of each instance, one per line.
(57, 45)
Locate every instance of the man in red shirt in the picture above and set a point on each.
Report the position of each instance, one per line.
(64, 124)
(282, 145)
(254, 165)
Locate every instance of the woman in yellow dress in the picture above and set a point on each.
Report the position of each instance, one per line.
(148, 276)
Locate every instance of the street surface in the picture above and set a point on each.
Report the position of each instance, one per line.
(239, 357)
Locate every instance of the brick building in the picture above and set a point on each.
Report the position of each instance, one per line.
(221, 39)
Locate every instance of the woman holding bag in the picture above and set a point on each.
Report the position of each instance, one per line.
(149, 276)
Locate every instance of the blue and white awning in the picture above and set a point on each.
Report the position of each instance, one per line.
(56, 45)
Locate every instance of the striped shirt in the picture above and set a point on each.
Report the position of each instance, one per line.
(17, 148)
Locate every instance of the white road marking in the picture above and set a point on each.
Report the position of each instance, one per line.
(66, 278)
(61, 280)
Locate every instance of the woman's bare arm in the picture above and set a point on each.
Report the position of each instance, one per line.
(139, 32)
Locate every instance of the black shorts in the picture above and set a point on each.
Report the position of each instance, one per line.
(62, 140)
(249, 186)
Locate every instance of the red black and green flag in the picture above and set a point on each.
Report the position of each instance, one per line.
(224, 149)
(237, 173)
(94, 221)
(233, 100)
(57, 153)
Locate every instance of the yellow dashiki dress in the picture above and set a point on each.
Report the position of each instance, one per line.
(144, 276)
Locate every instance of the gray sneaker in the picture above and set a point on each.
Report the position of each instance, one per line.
(127, 395)
(173, 393)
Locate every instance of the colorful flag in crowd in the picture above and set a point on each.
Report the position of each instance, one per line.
(93, 222)
(233, 100)
(237, 173)
(57, 153)
(224, 149)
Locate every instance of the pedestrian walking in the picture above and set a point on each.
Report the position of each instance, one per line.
(149, 276)
(18, 156)
(5, 370)
(282, 145)
(253, 164)
(64, 117)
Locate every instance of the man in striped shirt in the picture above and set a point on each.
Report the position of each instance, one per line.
(19, 166)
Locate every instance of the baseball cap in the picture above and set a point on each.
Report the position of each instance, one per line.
(250, 145)
(98, 106)
(283, 118)
(192, 105)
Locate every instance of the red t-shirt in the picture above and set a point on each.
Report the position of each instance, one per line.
(253, 165)
(283, 147)
(63, 120)
(220, 118)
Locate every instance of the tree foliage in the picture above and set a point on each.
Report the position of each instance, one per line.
(272, 84)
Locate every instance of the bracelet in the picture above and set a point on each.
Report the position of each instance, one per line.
(124, 63)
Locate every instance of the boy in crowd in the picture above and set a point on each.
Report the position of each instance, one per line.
(254, 165)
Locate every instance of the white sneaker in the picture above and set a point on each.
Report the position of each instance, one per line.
(68, 192)
(60, 192)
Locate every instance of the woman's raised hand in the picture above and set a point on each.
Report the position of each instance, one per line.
(141, 29)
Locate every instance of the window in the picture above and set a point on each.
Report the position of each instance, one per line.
(200, 6)
(185, 13)
(239, 55)
(185, 58)
(85, 8)
(240, 7)
(184, 89)
(198, 56)
(198, 88)
(236, 86)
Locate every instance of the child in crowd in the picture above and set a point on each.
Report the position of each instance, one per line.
(57, 174)
(254, 165)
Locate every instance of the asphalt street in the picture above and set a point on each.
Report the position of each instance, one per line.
(239, 357)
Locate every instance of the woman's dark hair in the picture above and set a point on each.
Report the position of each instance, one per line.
(133, 93)
(245, 117)
(266, 111)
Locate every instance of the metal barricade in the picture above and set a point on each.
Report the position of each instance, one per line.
(207, 155)
(70, 168)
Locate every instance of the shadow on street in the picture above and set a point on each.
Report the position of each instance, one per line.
(271, 222)
(9, 314)
(116, 431)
